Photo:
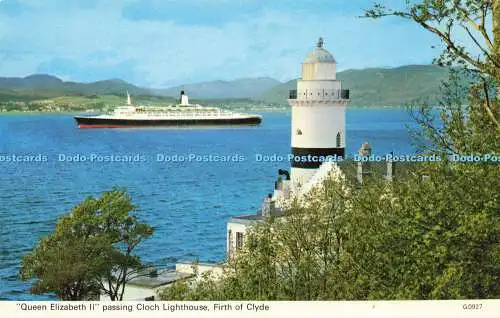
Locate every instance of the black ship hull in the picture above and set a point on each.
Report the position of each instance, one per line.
(99, 122)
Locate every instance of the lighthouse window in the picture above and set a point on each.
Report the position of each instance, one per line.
(299, 132)
(338, 140)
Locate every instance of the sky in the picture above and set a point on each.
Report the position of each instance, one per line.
(163, 43)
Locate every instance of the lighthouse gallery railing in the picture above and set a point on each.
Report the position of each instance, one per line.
(320, 94)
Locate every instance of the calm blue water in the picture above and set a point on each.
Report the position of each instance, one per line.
(187, 202)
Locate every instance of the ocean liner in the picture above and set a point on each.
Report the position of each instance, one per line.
(182, 114)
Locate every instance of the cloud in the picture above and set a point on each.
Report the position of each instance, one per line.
(96, 41)
(68, 69)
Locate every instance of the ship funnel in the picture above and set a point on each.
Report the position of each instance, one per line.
(129, 101)
(184, 98)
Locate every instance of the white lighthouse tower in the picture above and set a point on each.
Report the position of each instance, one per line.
(318, 115)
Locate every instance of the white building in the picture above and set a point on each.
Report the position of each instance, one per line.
(147, 285)
(318, 132)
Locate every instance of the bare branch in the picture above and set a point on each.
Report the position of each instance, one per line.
(425, 13)
(480, 27)
(484, 13)
(487, 105)
(451, 45)
(480, 47)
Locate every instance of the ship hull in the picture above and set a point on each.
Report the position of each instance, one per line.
(99, 122)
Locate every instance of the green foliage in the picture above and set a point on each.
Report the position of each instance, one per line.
(455, 126)
(90, 251)
(450, 226)
(61, 268)
(415, 238)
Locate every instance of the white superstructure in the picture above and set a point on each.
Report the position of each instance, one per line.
(182, 114)
(183, 110)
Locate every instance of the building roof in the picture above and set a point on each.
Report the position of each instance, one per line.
(320, 55)
(349, 168)
(164, 277)
(246, 219)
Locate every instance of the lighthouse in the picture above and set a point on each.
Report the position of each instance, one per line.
(318, 115)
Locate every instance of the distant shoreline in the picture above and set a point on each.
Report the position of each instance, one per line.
(269, 110)
(37, 113)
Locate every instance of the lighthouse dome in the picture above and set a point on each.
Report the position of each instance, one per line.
(319, 55)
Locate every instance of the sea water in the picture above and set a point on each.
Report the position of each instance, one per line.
(187, 201)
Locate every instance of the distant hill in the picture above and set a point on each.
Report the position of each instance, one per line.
(235, 89)
(40, 86)
(41, 81)
(368, 87)
(377, 86)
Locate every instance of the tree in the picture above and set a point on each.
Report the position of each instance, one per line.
(445, 231)
(459, 124)
(444, 17)
(90, 251)
(414, 238)
(61, 268)
(496, 26)
(468, 108)
(439, 226)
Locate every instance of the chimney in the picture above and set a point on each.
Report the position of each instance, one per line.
(267, 205)
(365, 151)
(390, 169)
(359, 174)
